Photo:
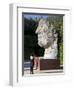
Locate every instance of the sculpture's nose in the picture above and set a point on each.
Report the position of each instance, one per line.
(37, 30)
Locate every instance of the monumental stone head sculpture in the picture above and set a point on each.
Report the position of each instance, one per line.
(47, 38)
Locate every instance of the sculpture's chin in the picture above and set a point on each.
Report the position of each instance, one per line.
(43, 44)
(40, 44)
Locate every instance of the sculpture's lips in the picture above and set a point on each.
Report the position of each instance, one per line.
(42, 41)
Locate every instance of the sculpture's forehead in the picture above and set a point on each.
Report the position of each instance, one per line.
(42, 26)
(43, 21)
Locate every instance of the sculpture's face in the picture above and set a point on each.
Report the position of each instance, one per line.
(42, 39)
(44, 35)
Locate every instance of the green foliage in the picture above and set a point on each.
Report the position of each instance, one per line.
(61, 53)
(57, 21)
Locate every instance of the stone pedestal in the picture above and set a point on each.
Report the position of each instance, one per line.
(48, 64)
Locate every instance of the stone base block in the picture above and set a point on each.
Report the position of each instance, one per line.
(48, 64)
